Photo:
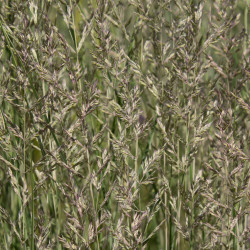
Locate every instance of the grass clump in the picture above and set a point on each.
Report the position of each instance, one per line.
(124, 124)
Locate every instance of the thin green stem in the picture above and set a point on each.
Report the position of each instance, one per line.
(166, 204)
(246, 25)
(178, 195)
(24, 165)
(136, 166)
(32, 205)
(92, 196)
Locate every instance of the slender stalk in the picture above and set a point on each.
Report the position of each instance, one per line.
(246, 43)
(74, 27)
(246, 24)
(191, 176)
(23, 167)
(32, 205)
(92, 197)
(178, 196)
(136, 166)
(76, 42)
(166, 204)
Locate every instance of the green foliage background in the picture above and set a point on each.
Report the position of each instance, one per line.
(124, 124)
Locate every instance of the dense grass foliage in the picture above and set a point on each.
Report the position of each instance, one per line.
(124, 124)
